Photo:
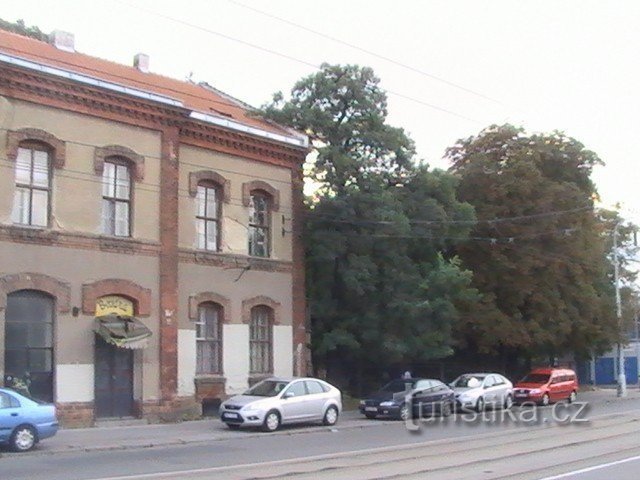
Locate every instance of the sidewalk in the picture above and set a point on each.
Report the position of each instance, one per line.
(211, 429)
(146, 436)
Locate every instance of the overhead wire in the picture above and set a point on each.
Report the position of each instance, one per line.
(285, 56)
(368, 52)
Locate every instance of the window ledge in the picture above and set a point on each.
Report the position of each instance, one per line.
(204, 379)
(27, 233)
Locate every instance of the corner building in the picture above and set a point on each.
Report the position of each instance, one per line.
(150, 257)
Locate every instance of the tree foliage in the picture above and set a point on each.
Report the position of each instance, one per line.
(545, 279)
(20, 28)
(344, 110)
(380, 290)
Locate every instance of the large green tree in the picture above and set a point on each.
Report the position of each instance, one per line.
(539, 253)
(380, 292)
(343, 109)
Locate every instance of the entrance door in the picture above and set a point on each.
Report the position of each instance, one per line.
(28, 342)
(113, 380)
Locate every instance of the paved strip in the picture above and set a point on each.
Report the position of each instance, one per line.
(602, 466)
(422, 458)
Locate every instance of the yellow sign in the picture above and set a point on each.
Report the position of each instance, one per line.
(114, 305)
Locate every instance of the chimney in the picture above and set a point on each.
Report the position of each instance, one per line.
(141, 62)
(62, 40)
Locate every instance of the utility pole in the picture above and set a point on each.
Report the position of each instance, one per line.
(622, 379)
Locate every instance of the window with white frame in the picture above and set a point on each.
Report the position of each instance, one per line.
(259, 221)
(208, 217)
(32, 197)
(209, 339)
(116, 198)
(261, 340)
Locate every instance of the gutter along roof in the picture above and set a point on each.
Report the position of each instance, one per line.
(204, 103)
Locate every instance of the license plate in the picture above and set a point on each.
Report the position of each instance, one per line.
(371, 409)
(230, 415)
(521, 395)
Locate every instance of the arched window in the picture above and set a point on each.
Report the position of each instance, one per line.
(208, 216)
(28, 348)
(32, 198)
(261, 340)
(259, 223)
(116, 197)
(209, 339)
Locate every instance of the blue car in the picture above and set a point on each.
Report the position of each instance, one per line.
(24, 422)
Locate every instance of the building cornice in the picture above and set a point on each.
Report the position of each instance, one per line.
(101, 99)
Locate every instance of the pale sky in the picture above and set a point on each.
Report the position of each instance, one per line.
(546, 65)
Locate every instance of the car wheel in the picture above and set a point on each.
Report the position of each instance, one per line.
(480, 405)
(545, 400)
(573, 396)
(330, 416)
(404, 412)
(508, 402)
(370, 416)
(23, 438)
(445, 409)
(233, 426)
(271, 421)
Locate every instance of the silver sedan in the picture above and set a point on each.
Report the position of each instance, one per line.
(478, 390)
(277, 401)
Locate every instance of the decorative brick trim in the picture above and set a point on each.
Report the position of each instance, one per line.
(207, 175)
(249, 303)
(224, 302)
(254, 185)
(36, 281)
(75, 414)
(16, 137)
(302, 364)
(136, 160)
(210, 387)
(76, 240)
(91, 292)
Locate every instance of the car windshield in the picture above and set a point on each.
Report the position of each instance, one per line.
(536, 378)
(397, 386)
(267, 388)
(468, 381)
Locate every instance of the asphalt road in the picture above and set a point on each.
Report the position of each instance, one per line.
(527, 443)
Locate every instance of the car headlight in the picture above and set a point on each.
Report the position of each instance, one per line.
(535, 391)
(388, 404)
(362, 403)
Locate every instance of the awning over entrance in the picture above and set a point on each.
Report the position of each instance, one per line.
(123, 332)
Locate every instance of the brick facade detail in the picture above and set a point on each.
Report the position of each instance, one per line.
(36, 281)
(141, 296)
(224, 302)
(209, 176)
(249, 187)
(75, 414)
(249, 303)
(135, 159)
(169, 259)
(55, 145)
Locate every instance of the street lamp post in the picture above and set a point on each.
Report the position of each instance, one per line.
(622, 379)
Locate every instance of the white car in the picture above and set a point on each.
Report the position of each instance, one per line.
(277, 401)
(476, 391)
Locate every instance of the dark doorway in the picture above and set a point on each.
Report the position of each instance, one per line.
(113, 380)
(28, 342)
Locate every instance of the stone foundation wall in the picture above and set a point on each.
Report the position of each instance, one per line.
(178, 409)
(75, 415)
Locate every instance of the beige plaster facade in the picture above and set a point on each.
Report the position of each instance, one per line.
(158, 267)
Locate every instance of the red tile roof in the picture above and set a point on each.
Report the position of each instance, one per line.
(193, 96)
